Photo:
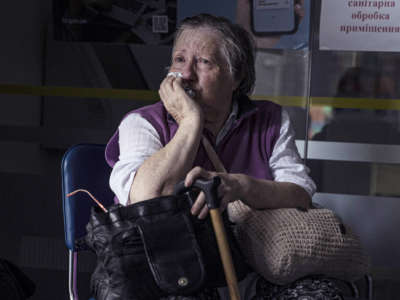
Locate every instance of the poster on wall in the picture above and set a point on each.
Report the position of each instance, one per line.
(279, 24)
(360, 25)
(115, 21)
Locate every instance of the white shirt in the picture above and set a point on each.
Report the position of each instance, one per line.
(138, 140)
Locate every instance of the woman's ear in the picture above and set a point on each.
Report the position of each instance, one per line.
(236, 85)
(237, 81)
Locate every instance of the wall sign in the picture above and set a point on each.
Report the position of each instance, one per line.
(360, 25)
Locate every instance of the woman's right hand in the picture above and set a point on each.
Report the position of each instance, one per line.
(177, 102)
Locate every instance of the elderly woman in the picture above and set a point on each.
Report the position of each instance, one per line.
(159, 145)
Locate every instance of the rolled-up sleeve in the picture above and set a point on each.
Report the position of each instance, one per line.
(138, 140)
(285, 162)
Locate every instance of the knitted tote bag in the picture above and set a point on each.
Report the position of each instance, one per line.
(286, 244)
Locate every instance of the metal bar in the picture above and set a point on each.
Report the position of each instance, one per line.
(369, 286)
(361, 152)
(70, 274)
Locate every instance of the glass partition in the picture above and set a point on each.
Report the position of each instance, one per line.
(353, 147)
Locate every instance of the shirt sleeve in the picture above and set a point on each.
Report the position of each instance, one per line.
(285, 162)
(138, 140)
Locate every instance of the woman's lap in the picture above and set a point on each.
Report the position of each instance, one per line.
(309, 288)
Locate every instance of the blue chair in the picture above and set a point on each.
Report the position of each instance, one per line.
(83, 167)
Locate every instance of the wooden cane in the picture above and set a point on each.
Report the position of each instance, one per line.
(219, 229)
(225, 253)
(210, 189)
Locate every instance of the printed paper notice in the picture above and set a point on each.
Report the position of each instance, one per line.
(360, 25)
(271, 4)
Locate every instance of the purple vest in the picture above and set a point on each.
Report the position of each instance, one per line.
(245, 149)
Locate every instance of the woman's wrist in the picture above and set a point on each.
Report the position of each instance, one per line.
(194, 122)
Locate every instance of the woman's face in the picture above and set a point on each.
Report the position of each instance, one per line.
(197, 55)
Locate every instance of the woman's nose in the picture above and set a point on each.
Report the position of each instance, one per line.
(189, 71)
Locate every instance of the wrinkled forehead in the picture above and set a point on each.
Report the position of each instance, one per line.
(202, 40)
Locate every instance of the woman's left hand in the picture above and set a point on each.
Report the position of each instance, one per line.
(229, 190)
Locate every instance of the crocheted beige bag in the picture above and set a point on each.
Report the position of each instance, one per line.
(287, 244)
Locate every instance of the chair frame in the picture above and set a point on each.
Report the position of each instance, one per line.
(72, 271)
(81, 160)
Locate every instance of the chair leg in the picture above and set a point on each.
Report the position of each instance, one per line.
(72, 271)
(369, 288)
(368, 279)
(355, 291)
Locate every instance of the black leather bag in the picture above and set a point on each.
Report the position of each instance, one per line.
(156, 248)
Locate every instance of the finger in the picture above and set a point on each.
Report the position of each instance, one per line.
(169, 82)
(198, 204)
(224, 204)
(226, 198)
(299, 10)
(196, 172)
(163, 92)
(168, 78)
(221, 190)
(166, 84)
(204, 212)
(177, 80)
(177, 85)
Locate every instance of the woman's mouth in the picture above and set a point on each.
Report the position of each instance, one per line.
(189, 91)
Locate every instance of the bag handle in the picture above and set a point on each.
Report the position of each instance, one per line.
(209, 187)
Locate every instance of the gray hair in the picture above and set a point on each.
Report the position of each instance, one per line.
(237, 48)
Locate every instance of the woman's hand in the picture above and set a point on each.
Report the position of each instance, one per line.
(256, 193)
(299, 9)
(229, 190)
(177, 102)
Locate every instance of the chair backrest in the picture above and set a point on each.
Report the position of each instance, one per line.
(83, 167)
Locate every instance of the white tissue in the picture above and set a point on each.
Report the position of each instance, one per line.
(175, 74)
(187, 89)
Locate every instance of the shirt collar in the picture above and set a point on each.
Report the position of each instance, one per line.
(229, 122)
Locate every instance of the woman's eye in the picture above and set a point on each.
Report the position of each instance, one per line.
(204, 61)
(179, 59)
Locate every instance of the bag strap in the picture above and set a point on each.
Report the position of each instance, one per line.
(213, 156)
(238, 212)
